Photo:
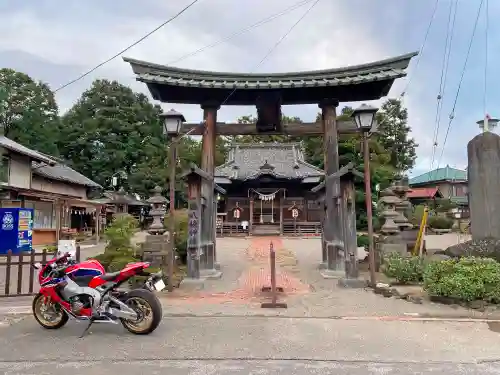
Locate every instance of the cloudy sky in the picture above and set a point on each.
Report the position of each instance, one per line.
(57, 40)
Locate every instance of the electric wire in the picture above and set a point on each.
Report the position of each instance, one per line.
(452, 113)
(266, 56)
(412, 73)
(444, 75)
(486, 41)
(127, 48)
(422, 47)
(242, 31)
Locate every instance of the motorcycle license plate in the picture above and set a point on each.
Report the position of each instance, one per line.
(159, 285)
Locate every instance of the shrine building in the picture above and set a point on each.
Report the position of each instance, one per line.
(268, 189)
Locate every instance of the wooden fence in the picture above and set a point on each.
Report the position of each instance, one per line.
(18, 278)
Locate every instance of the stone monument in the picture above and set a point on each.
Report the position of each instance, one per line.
(483, 153)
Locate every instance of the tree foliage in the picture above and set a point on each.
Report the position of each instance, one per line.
(28, 111)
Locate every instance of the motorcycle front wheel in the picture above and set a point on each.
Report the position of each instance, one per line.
(148, 309)
(48, 315)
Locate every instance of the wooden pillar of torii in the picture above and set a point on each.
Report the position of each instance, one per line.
(332, 238)
(208, 260)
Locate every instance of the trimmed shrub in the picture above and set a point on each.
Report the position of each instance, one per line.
(404, 269)
(119, 250)
(465, 279)
(181, 232)
(440, 222)
(363, 241)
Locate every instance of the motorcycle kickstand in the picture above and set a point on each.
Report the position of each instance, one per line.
(91, 321)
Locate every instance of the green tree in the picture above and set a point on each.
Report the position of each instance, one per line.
(28, 111)
(394, 135)
(111, 129)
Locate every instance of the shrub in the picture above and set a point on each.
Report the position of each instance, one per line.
(181, 232)
(119, 250)
(404, 269)
(51, 249)
(440, 222)
(466, 279)
(363, 241)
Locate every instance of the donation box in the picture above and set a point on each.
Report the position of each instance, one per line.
(16, 229)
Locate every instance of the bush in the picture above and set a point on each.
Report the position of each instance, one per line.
(119, 250)
(466, 279)
(440, 222)
(51, 249)
(181, 232)
(363, 241)
(404, 269)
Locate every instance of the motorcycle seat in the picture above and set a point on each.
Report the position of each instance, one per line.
(109, 276)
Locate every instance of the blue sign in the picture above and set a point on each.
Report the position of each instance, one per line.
(16, 229)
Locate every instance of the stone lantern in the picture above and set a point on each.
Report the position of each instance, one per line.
(392, 241)
(401, 188)
(158, 211)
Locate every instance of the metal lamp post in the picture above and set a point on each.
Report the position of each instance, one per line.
(364, 117)
(172, 122)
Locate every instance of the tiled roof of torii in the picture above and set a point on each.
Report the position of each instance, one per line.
(280, 160)
(187, 85)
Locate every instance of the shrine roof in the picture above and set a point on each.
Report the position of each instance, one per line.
(353, 83)
(279, 160)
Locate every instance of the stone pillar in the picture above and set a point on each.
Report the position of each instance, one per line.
(483, 153)
(350, 235)
(207, 190)
(332, 229)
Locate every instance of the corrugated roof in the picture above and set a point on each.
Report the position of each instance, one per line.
(13, 146)
(441, 174)
(62, 172)
(48, 166)
(422, 193)
(281, 160)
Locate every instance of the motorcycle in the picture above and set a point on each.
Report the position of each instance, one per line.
(86, 292)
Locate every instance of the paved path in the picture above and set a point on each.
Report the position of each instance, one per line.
(223, 330)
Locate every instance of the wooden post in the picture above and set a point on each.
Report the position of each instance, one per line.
(332, 225)
(250, 221)
(207, 186)
(281, 214)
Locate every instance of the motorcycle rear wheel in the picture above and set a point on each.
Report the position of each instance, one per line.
(59, 316)
(147, 306)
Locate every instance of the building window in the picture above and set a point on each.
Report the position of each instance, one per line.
(44, 214)
(4, 169)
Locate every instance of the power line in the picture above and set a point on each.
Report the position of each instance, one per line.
(266, 56)
(129, 47)
(422, 46)
(243, 31)
(452, 113)
(444, 75)
(485, 93)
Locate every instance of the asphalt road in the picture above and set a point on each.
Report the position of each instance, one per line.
(253, 345)
(245, 367)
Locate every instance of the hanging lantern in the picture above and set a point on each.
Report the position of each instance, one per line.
(236, 213)
(295, 213)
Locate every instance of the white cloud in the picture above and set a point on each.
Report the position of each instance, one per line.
(77, 35)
